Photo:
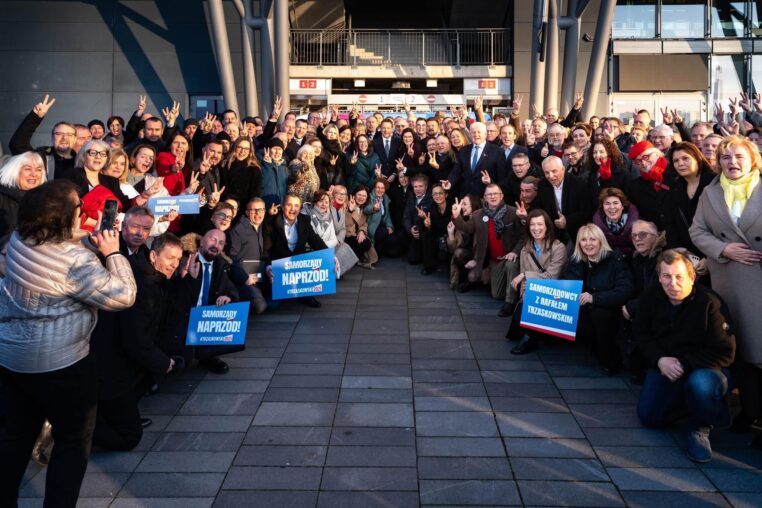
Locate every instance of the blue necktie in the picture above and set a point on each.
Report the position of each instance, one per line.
(207, 281)
(475, 158)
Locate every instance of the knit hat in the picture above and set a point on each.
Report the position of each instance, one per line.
(164, 163)
(639, 148)
(190, 121)
(223, 136)
(96, 122)
(275, 142)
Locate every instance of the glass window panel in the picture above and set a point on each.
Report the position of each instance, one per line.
(756, 73)
(727, 18)
(682, 19)
(727, 77)
(635, 20)
(756, 23)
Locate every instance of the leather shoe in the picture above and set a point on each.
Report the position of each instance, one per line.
(311, 301)
(527, 345)
(146, 422)
(464, 287)
(506, 310)
(215, 365)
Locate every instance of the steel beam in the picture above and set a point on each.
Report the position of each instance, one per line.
(537, 72)
(598, 56)
(282, 34)
(551, 60)
(571, 52)
(222, 50)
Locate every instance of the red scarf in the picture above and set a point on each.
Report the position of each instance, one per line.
(604, 172)
(656, 174)
(337, 206)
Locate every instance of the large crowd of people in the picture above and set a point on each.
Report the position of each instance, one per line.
(661, 221)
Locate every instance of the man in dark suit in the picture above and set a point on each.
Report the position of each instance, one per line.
(289, 234)
(565, 198)
(419, 199)
(387, 146)
(209, 284)
(508, 144)
(300, 131)
(478, 164)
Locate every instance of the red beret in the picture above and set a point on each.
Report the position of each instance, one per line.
(638, 148)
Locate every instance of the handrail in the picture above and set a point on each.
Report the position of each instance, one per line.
(376, 47)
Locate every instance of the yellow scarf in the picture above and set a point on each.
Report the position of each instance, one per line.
(737, 192)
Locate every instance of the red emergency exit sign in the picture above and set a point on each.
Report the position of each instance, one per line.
(307, 83)
(487, 83)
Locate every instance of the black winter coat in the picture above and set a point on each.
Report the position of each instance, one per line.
(125, 342)
(679, 212)
(609, 280)
(697, 332)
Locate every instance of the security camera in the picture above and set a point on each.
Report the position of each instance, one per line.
(587, 37)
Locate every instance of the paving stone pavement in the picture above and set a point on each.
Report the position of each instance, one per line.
(399, 392)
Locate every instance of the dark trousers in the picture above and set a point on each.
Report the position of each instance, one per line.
(359, 248)
(700, 393)
(749, 379)
(414, 251)
(600, 325)
(67, 398)
(432, 255)
(386, 244)
(118, 425)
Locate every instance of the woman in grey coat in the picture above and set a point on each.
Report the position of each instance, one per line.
(727, 228)
(49, 301)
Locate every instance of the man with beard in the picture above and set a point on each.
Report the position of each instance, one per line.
(209, 284)
(59, 157)
(125, 344)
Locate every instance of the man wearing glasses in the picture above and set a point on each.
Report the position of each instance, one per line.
(497, 231)
(59, 157)
(247, 251)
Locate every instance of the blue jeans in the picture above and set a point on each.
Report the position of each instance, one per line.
(700, 394)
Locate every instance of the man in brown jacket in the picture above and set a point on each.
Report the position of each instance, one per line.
(497, 233)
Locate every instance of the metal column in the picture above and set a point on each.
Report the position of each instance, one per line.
(222, 49)
(551, 61)
(571, 52)
(537, 76)
(249, 76)
(282, 33)
(598, 56)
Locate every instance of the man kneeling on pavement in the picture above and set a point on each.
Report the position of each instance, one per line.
(684, 333)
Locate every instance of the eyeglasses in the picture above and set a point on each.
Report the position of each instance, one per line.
(223, 216)
(437, 193)
(64, 134)
(641, 236)
(340, 193)
(493, 194)
(96, 153)
(243, 148)
(255, 210)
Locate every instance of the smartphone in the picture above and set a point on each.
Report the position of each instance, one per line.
(110, 211)
(695, 260)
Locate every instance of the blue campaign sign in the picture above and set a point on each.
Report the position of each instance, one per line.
(185, 204)
(310, 274)
(552, 307)
(218, 326)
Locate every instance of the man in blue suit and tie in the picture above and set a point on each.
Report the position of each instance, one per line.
(478, 164)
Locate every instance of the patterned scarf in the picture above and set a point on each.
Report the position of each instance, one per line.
(616, 227)
(497, 217)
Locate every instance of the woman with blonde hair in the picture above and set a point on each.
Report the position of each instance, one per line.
(606, 285)
(727, 229)
(302, 175)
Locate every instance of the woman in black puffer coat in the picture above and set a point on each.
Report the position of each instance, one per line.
(607, 284)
